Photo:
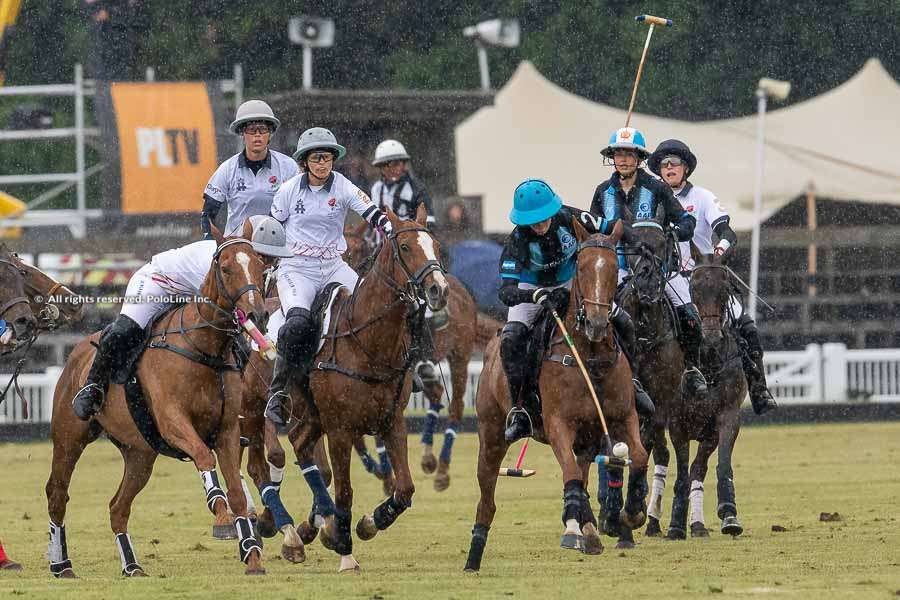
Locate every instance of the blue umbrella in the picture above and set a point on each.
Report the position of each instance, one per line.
(477, 264)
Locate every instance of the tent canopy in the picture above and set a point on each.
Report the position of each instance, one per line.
(843, 142)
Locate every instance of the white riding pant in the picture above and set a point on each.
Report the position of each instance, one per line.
(146, 296)
(528, 312)
(301, 278)
(678, 288)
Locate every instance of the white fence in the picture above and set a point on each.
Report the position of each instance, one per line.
(829, 373)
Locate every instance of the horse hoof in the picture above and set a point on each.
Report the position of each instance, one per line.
(611, 526)
(471, 570)
(329, 534)
(66, 574)
(429, 463)
(591, 543)
(254, 571)
(307, 532)
(634, 521)
(675, 534)
(366, 529)
(699, 530)
(441, 482)
(624, 545)
(653, 528)
(731, 526)
(225, 532)
(349, 565)
(571, 541)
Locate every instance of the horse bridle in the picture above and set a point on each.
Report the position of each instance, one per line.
(723, 304)
(220, 282)
(18, 299)
(580, 299)
(414, 281)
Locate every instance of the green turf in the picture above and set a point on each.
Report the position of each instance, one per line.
(784, 476)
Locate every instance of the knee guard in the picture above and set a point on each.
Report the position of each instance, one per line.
(624, 325)
(513, 343)
(748, 331)
(295, 337)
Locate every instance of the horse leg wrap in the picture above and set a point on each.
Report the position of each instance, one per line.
(276, 474)
(383, 461)
(126, 553)
(324, 505)
(431, 418)
(449, 438)
(476, 548)
(247, 543)
(680, 505)
(271, 497)
(614, 502)
(344, 544)
(574, 498)
(696, 502)
(213, 490)
(727, 504)
(251, 506)
(368, 462)
(637, 493)
(602, 485)
(57, 551)
(387, 512)
(656, 496)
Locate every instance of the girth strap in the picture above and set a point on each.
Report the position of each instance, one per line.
(370, 379)
(213, 362)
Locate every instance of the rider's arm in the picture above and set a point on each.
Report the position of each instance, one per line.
(364, 207)
(214, 196)
(605, 222)
(719, 222)
(588, 221)
(421, 196)
(682, 221)
(511, 266)
(510, 294)
(208, 214)
(727, 237)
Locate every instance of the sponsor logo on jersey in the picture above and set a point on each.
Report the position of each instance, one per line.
(332, 201)
(509, 265)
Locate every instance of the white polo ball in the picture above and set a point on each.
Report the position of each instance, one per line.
(620, 450)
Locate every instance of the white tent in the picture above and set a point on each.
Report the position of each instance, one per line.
(844, 141)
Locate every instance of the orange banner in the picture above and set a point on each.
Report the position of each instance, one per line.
(167, 145)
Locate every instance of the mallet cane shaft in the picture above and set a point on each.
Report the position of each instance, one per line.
(652, 22)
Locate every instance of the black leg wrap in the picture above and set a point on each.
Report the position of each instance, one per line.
(57, 568)
(344, 543)
(387, 512)
(126, 553)
(574, 499)
(613, 503)
(637, 493)
(725, 488)
(248, 543)
(680, 505)
(476, 548)
(213, 489)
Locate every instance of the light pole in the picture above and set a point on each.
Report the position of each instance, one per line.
(502, 33)
(310, 32)
(777, 90)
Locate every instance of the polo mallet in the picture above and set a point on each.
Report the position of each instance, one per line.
(610, 461)
(652, 22)
(518, 471)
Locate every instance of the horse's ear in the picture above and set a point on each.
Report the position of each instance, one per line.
(696, 254)
(392, 217)
(581, 233)
(617, 232)
(217, 235)
(421, 214)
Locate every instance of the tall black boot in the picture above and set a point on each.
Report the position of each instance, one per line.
(752, 362)
(621, 320)
(691, 335)
(513, 344)
(116, 344)
(296, 349)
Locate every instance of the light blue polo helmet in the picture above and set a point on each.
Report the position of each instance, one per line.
(534, 201)
(626, 138)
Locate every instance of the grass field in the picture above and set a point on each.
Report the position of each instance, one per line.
(784, 476)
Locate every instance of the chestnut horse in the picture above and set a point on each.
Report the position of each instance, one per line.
(360, 382)
(15, 306)
(193, 395)
(466, 332)
(570, 422)
(714, 423)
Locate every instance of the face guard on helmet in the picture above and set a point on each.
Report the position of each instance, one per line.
(318, 138)
(387, 151)
(253, 110)
(626, 138)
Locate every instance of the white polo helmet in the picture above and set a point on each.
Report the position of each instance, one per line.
(318, 138)
(253, 110)
(268, 237)
(387, 151)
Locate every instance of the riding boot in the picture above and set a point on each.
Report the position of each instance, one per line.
(752, 362)
(691, 335)
(296, 350)
(513, 343)
(624, 326)
(116, 344)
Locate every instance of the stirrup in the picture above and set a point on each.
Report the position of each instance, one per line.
(763, 403)
(510, 416)
(702, 387)
(275, 408)
(93, 407)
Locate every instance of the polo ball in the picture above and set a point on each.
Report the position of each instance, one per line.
(620, 450)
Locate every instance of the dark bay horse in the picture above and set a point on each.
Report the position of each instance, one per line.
(193, 395)
(571, 424)
(360, 383)
(454, 342)
(15, 306)
(714, 423)
(659, 360)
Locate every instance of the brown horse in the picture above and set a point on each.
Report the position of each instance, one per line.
(455, 341)
(14, 303)
(659, 360)
(570, 422)
(193, 396)
(361, 380)
(714, 423)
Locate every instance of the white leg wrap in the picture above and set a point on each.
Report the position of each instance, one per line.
(126, 554)
(696, 499)
(251, 507)
(572, 527)
(380, 449)
(276, 474)
(57, 552)
(212, 489)
(656, 494)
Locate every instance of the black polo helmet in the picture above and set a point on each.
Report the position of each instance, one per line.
(676, 148)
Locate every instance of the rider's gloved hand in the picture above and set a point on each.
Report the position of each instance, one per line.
(559, 299)
(384, 225)
(683, 235)
(540, 295)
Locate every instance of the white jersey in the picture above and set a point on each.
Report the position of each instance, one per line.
(247, 194)
(183, 270)
(313, 216)
(703, 205)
